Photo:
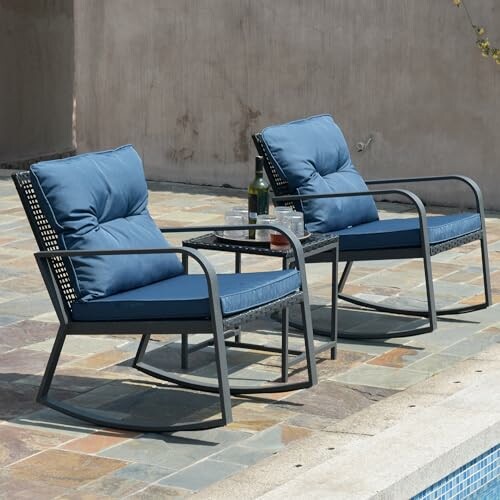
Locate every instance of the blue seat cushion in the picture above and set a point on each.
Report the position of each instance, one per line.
(98, 201)
(186, 296)
(405, 233)
(312, 155)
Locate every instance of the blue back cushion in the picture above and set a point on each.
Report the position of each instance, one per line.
(98, 201)
(312, 155)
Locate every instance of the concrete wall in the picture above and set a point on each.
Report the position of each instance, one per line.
(36, 78)
(187, 82)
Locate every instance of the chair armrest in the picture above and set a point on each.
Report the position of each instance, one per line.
(416, 201)
(48, 254)
(453, 177)
(403, 192)
(208, 269)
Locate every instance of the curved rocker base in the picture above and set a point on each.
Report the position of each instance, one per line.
(369, 335)
(385, 335)
(93, 418)
(412, 312)
(394, 310)
(208, 387)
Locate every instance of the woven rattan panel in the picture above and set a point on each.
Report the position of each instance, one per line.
(45, 236)
(278, 184)
(457, 242)
(264, 310)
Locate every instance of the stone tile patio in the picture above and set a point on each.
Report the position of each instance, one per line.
(47, 455)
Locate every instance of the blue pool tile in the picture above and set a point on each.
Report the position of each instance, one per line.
(472, 477)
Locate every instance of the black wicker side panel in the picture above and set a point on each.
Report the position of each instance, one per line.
(45, 235)
(278, 183)
(457, 242)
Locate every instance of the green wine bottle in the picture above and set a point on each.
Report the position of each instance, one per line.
(258, 195)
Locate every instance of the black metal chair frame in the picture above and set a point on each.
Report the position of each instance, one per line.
(53, 262)
(425, 251)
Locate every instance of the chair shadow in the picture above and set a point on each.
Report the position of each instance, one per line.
(130, 400)
(355, 320)
(122, 393)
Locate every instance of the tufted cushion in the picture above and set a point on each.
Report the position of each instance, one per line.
(312, 155)
(186, 296)
(98, 201)
(405, 233)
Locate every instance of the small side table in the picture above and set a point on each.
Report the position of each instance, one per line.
(315, 244)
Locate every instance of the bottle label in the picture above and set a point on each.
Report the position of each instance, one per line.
(252, 208)
(257, 204)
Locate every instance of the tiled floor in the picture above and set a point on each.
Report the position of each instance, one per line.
(47, 455)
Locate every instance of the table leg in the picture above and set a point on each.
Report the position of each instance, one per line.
(237, 269)
(335, 293)
(237, 334)
(184, 351)
(285, 324)
(185, 263)
(184, 337)
(285, 318)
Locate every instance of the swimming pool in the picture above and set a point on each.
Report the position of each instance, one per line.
(478, 479)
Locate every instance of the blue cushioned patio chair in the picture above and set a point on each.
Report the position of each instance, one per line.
(109, 270)
(309, 167)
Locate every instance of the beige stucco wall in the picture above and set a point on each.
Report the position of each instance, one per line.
(187, 82)
(36, 78)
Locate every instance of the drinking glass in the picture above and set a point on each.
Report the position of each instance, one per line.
(263, 234)
(278, 240)
(295, 222)
(232, 218)
(242, 211)
(281, 212)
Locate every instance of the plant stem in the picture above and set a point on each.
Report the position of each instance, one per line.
(469, 16)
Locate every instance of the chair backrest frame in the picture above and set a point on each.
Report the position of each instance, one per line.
(46, 238)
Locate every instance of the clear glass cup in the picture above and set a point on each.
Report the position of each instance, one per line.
(295, 221)
(279, 241)
(281, 212)
(232, 218)
(242, 211)
(263, 234)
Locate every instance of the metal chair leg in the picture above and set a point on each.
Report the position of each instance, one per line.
(50, 369)
(99, 418)
(285, 320)
(141, 350)
(345, 275)
(429, 285)
(431, 313)
(222, 372)
(309, 342)
(486, 271)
